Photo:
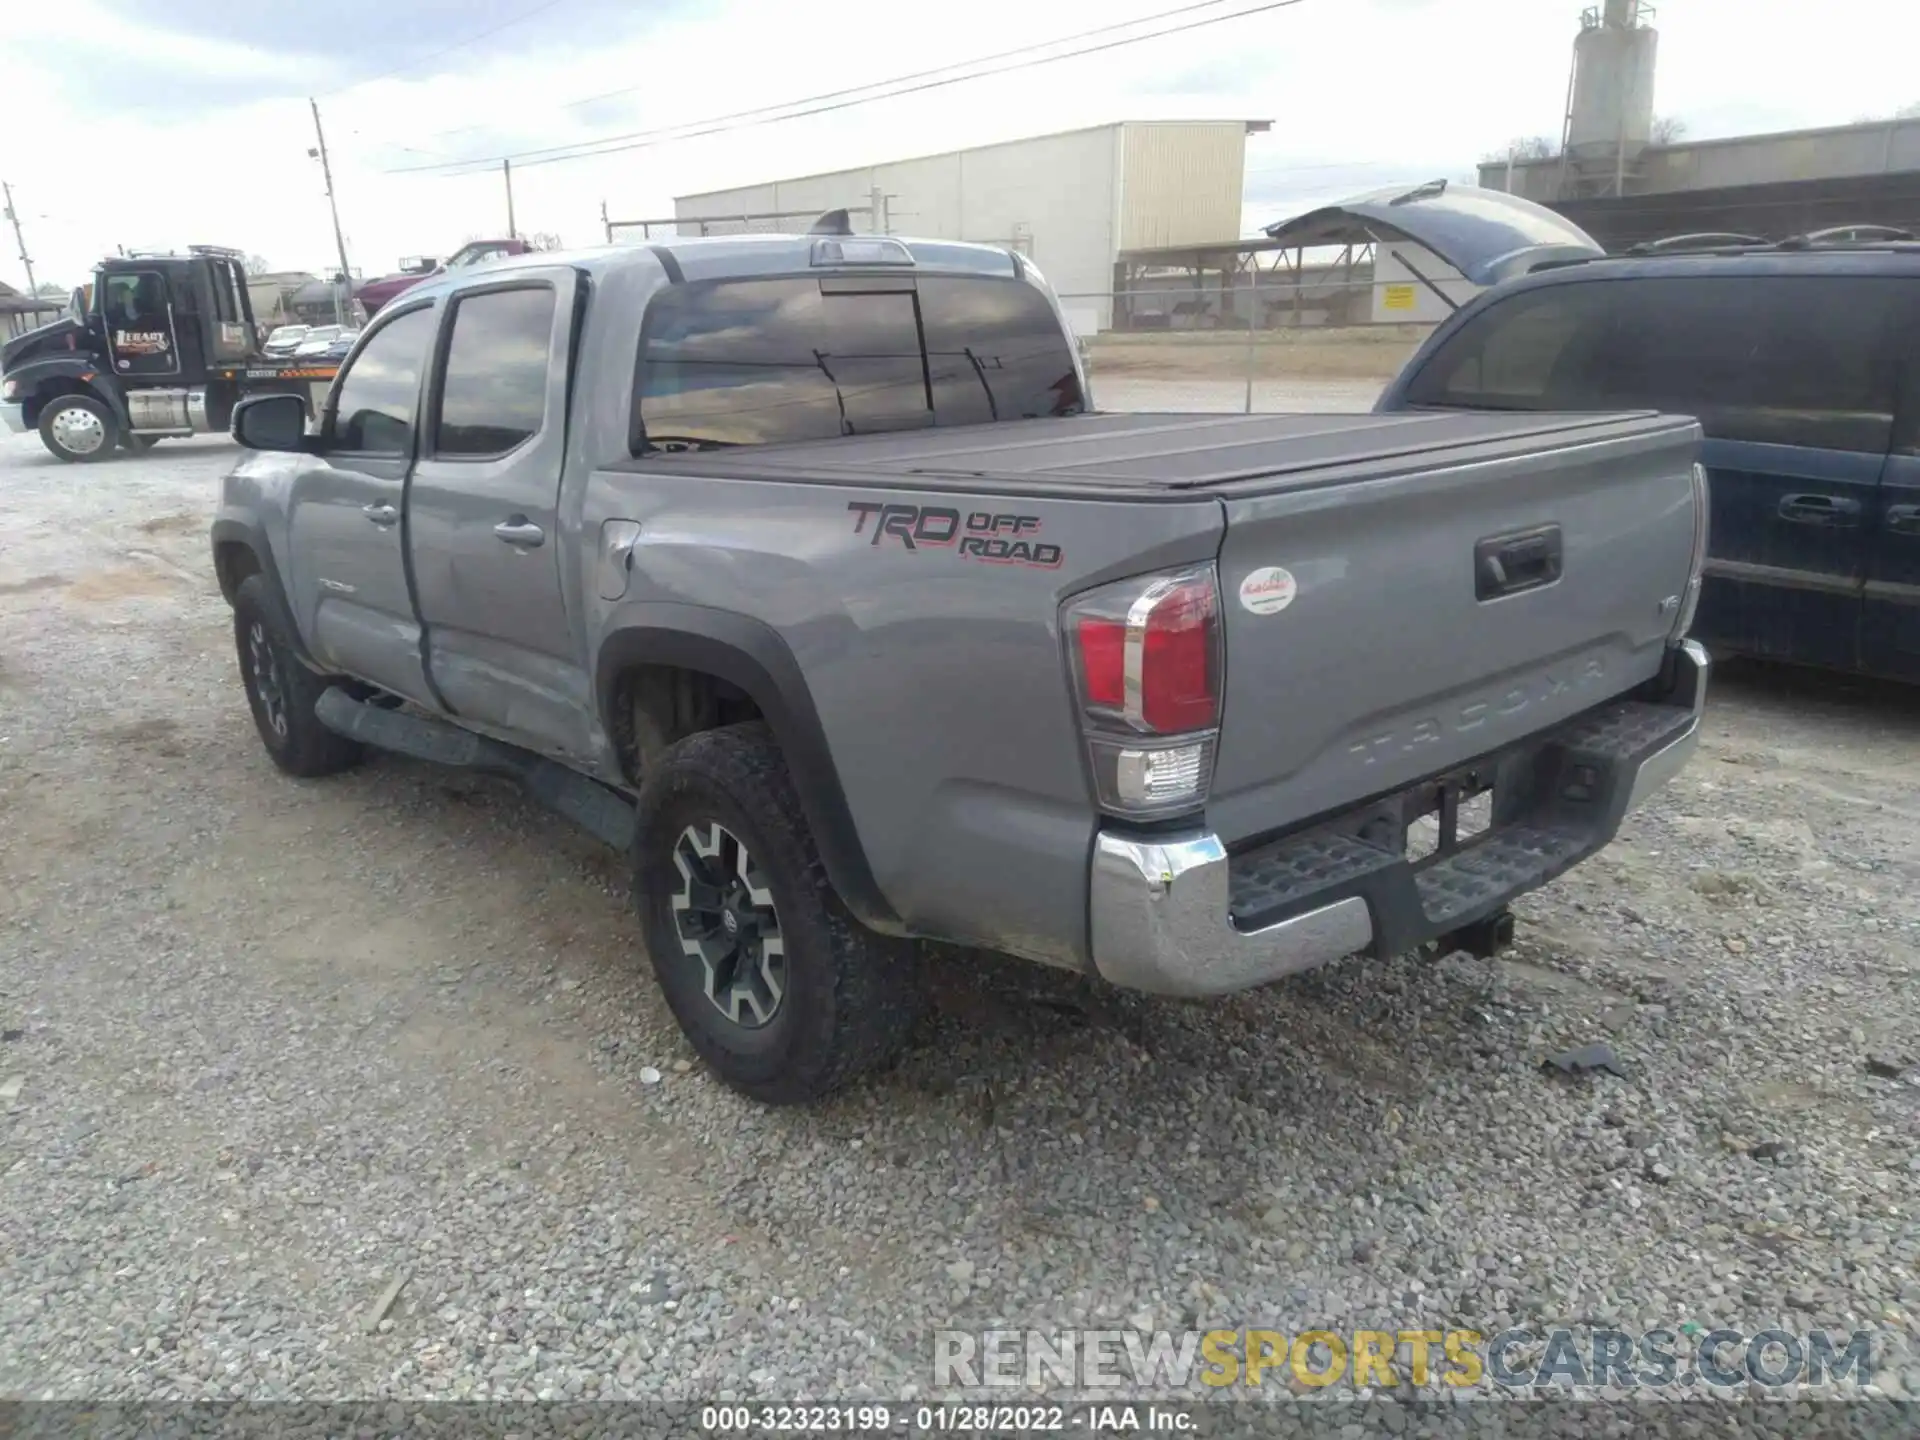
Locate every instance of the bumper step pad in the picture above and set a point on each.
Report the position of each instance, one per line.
(1508, 861)
(1412, 902)
(1282, 876)
(1621, 732)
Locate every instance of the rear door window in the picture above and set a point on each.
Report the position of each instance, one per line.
(1792, 360)
(755, 362)
(995, 351)
(745, 362)
(493, 390)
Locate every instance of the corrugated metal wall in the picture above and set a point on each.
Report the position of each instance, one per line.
(1830, 153)
(1771, 211)
(1051, 196)
(1181, 183)
(1070, 201)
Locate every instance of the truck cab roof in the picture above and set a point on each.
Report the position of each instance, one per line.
(731, 257)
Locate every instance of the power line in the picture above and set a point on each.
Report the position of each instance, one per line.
(870, 85)
(1288, 168)
(447, 50)
(1026, 49)
(641, 140)
(771, 112)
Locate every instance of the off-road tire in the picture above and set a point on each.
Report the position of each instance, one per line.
(296, 741)
(50, 428)
(850, 995)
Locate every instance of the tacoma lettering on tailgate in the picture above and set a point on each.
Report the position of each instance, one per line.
(1415, 733)
(989, 536)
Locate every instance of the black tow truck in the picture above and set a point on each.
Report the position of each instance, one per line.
(156, 346)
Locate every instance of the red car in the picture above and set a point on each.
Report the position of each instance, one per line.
(376, 293)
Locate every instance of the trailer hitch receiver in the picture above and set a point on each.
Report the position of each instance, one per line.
(1483, 939)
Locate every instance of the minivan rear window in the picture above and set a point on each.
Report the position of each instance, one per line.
(1784, 359)
(754, 362)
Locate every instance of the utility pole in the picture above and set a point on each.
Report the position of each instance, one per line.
(506, 173)
(14, 216)
(339, 240)
(606, 225)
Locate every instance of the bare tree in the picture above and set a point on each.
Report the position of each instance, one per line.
(48, 290)
(1522, 148)
(543, 240)
(1668, 130)
(259, 265)
(1905, 112)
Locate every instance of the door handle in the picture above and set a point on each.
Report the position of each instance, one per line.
(521, 532)
(381, 514)
(1904, 519)
(1820, 510)
(1508, 564)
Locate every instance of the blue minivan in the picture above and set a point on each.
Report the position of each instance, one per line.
(1801, 362)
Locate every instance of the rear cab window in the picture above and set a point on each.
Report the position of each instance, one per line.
(774, 361)
(1804, 360)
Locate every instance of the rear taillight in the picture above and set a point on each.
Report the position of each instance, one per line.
(1147, 665)
(1690, 599)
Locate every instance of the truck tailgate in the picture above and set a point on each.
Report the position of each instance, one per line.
(1381, 628)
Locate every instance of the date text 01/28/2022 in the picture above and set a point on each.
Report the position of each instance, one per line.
(943, 1419)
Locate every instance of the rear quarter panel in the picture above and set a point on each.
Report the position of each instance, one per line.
(938, 677)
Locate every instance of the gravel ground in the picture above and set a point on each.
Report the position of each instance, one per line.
(271, 1047)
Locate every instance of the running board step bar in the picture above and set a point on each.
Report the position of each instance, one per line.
(599, 811)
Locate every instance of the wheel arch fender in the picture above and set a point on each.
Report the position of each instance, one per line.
(240, 549)
(72, 374)
(752, 656)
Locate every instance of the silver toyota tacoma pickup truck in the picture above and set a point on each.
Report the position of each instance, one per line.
(802, 568)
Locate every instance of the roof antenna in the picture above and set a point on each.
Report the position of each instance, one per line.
(834, 222)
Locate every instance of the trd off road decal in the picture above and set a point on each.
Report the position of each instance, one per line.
(989, 536)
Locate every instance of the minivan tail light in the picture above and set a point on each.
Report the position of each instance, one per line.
(1690, 599)
(1147, 664)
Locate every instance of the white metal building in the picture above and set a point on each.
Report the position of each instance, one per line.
(1072, 201)
(1409, 282)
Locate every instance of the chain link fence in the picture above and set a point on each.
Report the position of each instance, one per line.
(1266, 347)
(1327, 342)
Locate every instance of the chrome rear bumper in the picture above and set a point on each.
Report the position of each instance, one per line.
(1176, 915)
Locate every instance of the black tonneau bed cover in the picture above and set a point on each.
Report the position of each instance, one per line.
(1165, 456)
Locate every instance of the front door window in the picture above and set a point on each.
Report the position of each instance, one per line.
(140, 323)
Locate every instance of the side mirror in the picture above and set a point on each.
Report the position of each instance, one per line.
(272, 422)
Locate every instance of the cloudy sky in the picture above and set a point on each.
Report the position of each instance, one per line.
(165, 122)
